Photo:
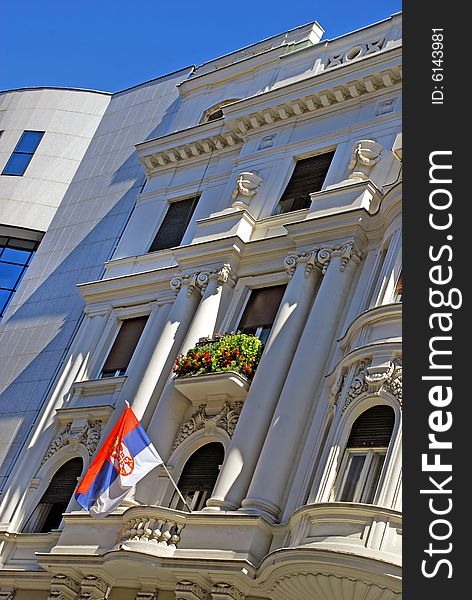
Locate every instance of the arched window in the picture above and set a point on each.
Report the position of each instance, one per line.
(200, 474)
(48, 513)
(216, 111)
(364, 456)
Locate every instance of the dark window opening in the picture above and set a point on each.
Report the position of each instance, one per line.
(308, 177)
(199, 475)
(365, 454)
(48, 513)
(23, 153)
(261, 309)
(174, 225)
(15, 257)
(123, 347)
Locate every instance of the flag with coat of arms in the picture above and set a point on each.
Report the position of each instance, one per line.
(127, 455)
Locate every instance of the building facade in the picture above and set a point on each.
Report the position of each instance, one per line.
(247, 212)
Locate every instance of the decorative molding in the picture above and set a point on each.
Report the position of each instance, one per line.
(375, 380)
(223, 275)
(88, 436)
(234, 130)
(197, 280)
(247, 185)
(154, 595)
(365, 155)
(226, 419)
(386, 106)
(7, 593)
(225, 591)
(347, 55)
(93, 588)
(63, 587)
(321, 258)
(306, 586)
(187, 590)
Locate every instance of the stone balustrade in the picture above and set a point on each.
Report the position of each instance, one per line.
(152, 529)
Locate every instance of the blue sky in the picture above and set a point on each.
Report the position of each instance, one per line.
(111, 45)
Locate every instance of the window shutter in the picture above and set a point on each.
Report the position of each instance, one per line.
(308, 177)
(175, 223)
(124, 345)
(202, 469)
(262, 307)
(63, 483)
(373, 428)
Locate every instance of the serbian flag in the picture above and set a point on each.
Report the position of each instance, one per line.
(124, 459)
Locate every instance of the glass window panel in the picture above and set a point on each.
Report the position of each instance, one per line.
(374, 478)
(29, 141)
(5, 297)
(356, 462)
(17, 256)
(17, 164)
(9, 275)
(22, 244)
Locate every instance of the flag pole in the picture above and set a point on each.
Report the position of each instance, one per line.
(176, 488)
(170, 477)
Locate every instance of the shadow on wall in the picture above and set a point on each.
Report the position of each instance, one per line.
(49, 314)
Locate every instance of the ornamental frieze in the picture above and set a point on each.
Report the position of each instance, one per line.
(88, 436)
(226, 419)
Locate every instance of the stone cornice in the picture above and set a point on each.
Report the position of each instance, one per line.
(332, 87)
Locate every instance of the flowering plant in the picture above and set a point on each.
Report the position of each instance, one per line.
(238, 352)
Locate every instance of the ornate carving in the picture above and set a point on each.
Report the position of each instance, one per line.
(226, 419)
(93, 588)
(375, 380)
(247, 185)
(88, 436)
(223, 275)
(187, 590)
(365, 154)
(290, 264)
(197, 280)
(149, 528)
(225, 591)
(349, 54)
(386, 106)
(7, 593)
(154, 595)
(321, 258)
(63, 587)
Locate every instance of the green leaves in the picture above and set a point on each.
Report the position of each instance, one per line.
(238, 352)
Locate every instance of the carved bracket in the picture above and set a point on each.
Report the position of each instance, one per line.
(88, 436)
(226, 419)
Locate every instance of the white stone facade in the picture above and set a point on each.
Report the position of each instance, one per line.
(275, 526)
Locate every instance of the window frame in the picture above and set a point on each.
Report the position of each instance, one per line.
(247, 297)
(22, 153)
(9, 244)
(196, 197)
(368, 472)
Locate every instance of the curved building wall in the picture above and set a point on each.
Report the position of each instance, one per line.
(69, 119)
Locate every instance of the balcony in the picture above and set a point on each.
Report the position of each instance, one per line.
(221, 368)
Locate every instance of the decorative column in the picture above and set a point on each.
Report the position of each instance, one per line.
(298, 396)
(64, 587)
(172, 405)
(204, 322)
(177, 321)
(259, 406)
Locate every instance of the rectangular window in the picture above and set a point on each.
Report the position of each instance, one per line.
(174, 225)
(23, 153)
(308, 177)
(15, 256)
(398, 291)
(260, 311)
(124, 346)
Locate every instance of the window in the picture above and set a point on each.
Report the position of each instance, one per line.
(307, 177)
(365, 455)
(174, 225)
(199, 476)
(15, 256)
(48, 513)
(398, 291)
(123, 347)
(216, 111)
(23, 153)
(260, 311)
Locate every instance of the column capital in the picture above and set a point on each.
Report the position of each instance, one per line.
(199, 280)
(321, 257)
(224, 274)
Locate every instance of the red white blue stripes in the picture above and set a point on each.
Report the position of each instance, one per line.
(125, 458)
